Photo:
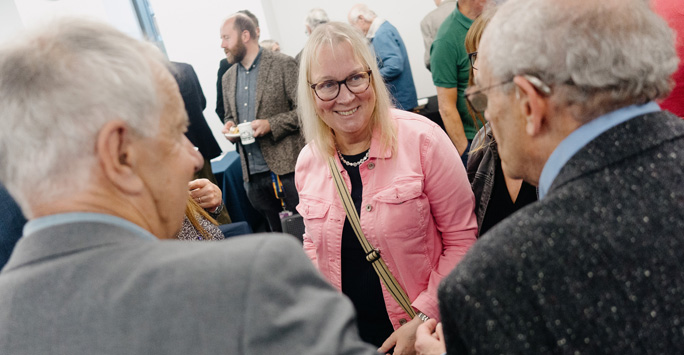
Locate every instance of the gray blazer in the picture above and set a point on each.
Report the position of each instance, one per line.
(275, 101)
(93, 288)
(595, 267)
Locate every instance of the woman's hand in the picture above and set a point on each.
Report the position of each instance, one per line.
(430, 338)
(206, 194)
(403, 339)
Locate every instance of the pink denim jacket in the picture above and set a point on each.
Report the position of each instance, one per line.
(417, 210)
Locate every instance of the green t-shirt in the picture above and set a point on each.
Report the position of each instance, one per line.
(449, 63)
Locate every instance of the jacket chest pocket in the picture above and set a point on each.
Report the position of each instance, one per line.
(402, 209)
(315, 214)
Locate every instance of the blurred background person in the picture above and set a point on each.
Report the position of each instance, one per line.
(406, 181)
(314, 18)
(224, 65)
(392, 57)
(450, 72)
(270, 45)
(260, 90)
(496, 194)
(431, 23)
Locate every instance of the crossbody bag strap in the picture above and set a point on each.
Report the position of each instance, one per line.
(372, 254)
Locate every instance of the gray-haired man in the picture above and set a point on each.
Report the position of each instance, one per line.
(93, 149)
(595, 267)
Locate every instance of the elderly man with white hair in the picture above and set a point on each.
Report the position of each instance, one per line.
(93, 149)
(391, 53)
(594, 267)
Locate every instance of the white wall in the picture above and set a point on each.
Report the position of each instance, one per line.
(33, 12)
(286, 19)
(190, 29)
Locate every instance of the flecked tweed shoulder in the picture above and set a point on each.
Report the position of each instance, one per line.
(595, 267)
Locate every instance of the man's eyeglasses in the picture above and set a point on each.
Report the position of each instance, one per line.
(478, 99)
(329, 90)
(472, 57)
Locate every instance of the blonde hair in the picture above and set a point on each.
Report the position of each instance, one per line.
(472, 43)
(192, 209)
(315, 129)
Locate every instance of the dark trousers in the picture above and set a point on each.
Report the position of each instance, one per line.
(261, 195)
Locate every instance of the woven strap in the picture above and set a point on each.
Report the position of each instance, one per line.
(372, 254)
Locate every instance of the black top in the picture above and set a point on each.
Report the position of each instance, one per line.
(360, 282)
(500, 204)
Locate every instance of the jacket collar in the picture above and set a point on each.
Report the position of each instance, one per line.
(632, 137)
(71, 237)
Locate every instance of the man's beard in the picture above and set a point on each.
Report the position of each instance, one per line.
(237, 53)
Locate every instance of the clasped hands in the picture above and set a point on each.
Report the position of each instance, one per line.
(416, 337)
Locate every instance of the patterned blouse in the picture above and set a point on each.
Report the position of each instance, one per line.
(189, 232)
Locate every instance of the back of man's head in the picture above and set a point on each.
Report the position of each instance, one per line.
(315, 18)
(244, 23)
(59, 85)
(359, 11)
(597, 56)
(251, 16)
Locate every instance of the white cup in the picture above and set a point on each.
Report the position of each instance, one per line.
(246, 133)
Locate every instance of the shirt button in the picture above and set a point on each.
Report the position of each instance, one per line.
(369, 208)
(246, 88)
(245, 104)
(371, 166)
(248, 72)
(402, 321)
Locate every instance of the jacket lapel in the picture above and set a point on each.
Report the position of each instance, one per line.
(231, 81)
(264, 69)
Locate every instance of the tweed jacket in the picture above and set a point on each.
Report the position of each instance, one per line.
(276, 95)
(99, 288)
(595, 267)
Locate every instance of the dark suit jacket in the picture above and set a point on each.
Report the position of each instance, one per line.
(595, 267)
(11, 224)
(94, 288)
(275, 101)
(198, 132)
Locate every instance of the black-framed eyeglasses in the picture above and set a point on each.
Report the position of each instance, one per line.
(329, 90)
(478, 99)
(472, 57)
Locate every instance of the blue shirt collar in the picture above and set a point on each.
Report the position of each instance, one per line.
(582, 136)
(38, 224)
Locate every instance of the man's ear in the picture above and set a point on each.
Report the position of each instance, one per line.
(533, 106)
(244, 36)
(117, 157)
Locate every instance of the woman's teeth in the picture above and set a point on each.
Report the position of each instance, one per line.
(347, 113)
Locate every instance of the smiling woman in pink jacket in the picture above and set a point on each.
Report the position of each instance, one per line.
(405, 177)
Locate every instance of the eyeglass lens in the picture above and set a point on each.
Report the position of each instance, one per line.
(472, 57)
(330, 89)
(478, 101)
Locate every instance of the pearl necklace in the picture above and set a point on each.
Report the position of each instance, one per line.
(365, 157)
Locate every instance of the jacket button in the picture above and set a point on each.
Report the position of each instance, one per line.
(371, 166)
(369, 208)
(402, 321)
